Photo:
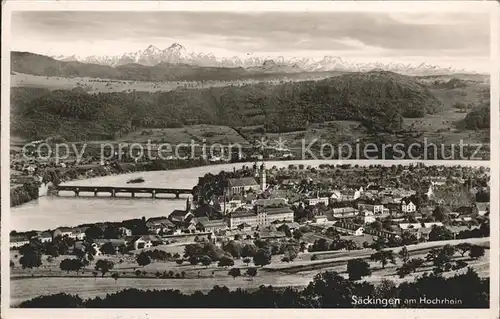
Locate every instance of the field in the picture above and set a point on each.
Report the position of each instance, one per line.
(48, 279)
(197, 133)
(97, 85)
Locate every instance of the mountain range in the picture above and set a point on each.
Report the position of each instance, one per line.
(178, 54)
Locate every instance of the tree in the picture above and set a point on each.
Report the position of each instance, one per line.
(377, 225)
(71, 265)
(179, 261)
(30, 259)
(404, 255)
(404, 270)
(247, 260)
(415, 263)
(291, 252)
(252, 272)
(226, 261)
(440, 214)
(463, 248)
(104, 266)
(297, 234)
(95, 273)
(440, 233)
(111, 232)
(115, 276)
(193, 260)
(248, 251)
(262, 257)
(138, 272)
(143, 259)
(234, 248)
(205, 260)
(408, 238)
(93, 232)
(383, 256)
(108, 249)
(476, 252)
(234, 272)
(358, 268)
(440, 257)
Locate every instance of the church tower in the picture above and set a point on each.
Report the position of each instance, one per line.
(430, 192)
(263, 182)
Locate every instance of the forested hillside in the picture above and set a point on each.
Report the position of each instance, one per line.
(379, 100)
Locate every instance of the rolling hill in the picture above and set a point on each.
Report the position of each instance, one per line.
(379, 100)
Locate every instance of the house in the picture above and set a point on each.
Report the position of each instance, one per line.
(115, 243)
(45, 237)
(62, 231)
(367, 216)
(405, 226)
(291, 225)
(482, 208)
(125, 232)
(145, 241)
(260, 216)
(340, 212)
(17, 241)
(317, 200)
(179, 216)
(282, 214)
(407, 206)
(243, 184)
(207, 211)
(211, 225)
(78, 233)
(267, 234)
(320, 219)
(232, 205)
(266, 202)
(349, 228)
(159, 225)
(374, 208)
(346, 195)
(423, 233)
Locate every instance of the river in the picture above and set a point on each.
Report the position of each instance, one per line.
(50, 212)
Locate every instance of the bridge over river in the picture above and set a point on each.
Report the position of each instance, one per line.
(113, 191)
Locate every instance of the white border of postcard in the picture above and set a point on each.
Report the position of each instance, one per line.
(400, 6)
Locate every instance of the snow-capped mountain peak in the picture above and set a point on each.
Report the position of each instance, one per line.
(178, 54)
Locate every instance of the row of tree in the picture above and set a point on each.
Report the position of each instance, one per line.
(327, 290)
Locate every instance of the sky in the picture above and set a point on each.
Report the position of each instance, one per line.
(449, 39)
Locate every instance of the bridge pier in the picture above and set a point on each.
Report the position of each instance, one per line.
(113, 191)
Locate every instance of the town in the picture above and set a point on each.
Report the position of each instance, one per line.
(295, 220)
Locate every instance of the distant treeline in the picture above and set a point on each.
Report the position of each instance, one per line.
(327, 290)
(379, 100)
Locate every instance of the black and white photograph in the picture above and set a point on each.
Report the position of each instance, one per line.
(231, 156)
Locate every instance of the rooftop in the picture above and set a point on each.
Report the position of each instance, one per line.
(243, 181)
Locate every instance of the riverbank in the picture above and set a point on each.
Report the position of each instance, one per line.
(25, 194)
(30, 191)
